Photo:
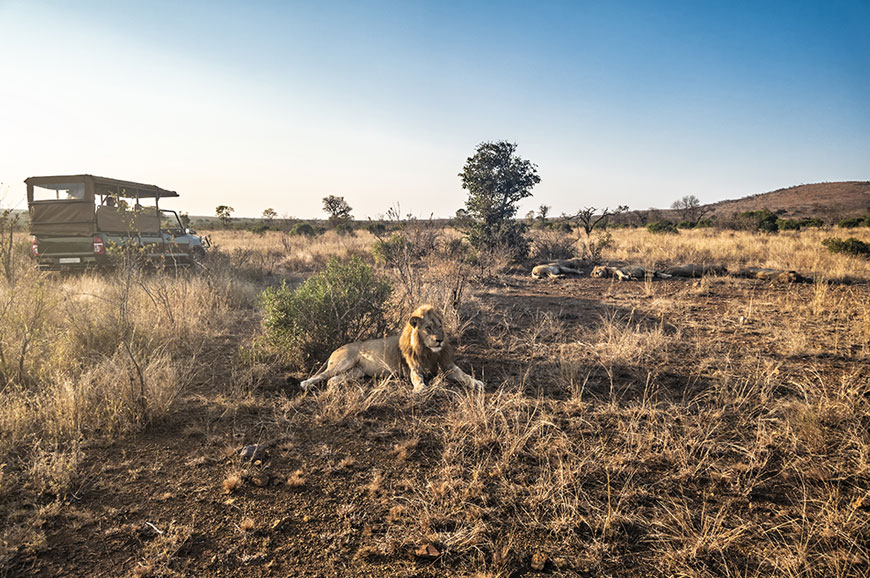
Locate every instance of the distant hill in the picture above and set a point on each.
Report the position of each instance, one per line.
(829, 201)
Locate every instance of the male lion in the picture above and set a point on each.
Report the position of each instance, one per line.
(626, 273)
(558, 268)
(419, 351)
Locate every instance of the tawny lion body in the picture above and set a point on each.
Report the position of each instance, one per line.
(777, 275)
(626, 273)
(420, 351)
(558, 268)
(692, 270)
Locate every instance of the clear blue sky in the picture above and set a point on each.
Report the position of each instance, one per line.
(278, 104)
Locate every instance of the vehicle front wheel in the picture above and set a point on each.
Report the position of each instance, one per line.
(197, 255)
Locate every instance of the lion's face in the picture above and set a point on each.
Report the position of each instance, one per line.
(429, 329)
(599, 272)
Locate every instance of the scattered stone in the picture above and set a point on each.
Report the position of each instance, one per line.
(259, 479)
(539, 560)
(253, 453)
(427, 551)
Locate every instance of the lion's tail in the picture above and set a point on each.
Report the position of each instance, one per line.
(322, 368)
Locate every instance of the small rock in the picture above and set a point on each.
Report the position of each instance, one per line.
(427, 551)
(260, 479)
(253, 453)
(538, 561)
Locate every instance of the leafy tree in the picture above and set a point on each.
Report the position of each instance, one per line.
(337, 209)
(269, 215)
(689, 208)
(224, 214)
(496, 180)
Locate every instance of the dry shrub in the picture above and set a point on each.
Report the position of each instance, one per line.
(342, 401)
(246, 525)
(296, 480)
(550, 245)
(160, 552)
(232, 482)
(96, 356)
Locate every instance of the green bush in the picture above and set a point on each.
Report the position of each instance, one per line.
(787, 225)
(851, 246)
(388, 250)
(562, 227)
(762, 220)
(302, 229)
(811, 222)
(344, 229)
(376, 228)
(851, 223)
(686, 225)
(260, 229)
(341, 304)
(704, 224)
(662, 228)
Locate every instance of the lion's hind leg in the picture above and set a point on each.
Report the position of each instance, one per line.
(349, 375)
(332, 370)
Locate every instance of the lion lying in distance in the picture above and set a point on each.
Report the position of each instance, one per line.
(558, 268)
(419, 352)
(626, 273)
(691, 270)
(777, 275)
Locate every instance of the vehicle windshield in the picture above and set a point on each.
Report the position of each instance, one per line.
(59, 191)
(169, 220)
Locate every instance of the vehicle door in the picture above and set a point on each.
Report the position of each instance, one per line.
(176, 241)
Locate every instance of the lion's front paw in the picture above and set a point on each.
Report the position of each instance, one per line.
(306, 385)
(478, 385)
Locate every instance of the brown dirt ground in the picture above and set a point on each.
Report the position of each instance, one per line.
(161, 493)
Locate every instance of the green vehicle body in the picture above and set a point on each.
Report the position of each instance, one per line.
(78, 221)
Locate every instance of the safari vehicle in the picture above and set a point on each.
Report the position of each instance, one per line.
(76, 220)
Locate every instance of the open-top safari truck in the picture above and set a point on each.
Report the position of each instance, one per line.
(76, 220)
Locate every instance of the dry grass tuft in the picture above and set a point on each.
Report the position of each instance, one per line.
(296, 480)
(232, 483)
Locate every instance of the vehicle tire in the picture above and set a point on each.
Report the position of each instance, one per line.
(197, 255)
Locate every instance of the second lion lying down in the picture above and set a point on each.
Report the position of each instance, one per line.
(419, 352)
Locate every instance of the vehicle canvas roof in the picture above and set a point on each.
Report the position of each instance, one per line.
(127, 189)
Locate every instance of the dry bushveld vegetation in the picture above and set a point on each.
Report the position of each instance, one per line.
(713, 427)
